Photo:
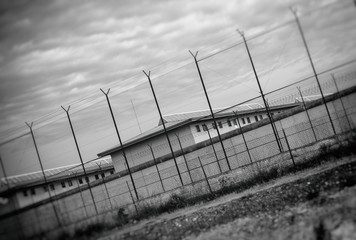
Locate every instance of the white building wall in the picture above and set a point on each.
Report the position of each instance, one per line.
(78, 206)
(188, 135)
(203, 135)
(35, 194)
(141, 153)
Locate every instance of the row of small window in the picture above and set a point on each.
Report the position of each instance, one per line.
(63, 183)
(234, 121)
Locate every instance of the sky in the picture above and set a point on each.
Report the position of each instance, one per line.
(60, 53)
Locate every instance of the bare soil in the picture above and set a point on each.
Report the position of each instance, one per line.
(318, 203)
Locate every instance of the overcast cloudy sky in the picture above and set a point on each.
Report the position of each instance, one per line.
(61, 52)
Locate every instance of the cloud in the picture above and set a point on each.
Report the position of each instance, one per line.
(61, 52)
(76, 78)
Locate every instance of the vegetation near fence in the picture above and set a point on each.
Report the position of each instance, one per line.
(315, 132)
(329, 150)
(301, 151)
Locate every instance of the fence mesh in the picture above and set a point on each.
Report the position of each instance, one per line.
(225, 68)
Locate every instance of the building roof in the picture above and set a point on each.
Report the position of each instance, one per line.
(175, 121)
(310, 97)
(146, 135)
(203, 113)
(57, 173)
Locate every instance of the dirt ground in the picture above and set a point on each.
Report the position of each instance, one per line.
(333, 220)
(317, 203)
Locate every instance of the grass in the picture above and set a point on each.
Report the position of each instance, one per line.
(325, 153)
(175, 201)
(147, 210)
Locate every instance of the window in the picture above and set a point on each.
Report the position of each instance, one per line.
(220, 124)
(25, 193)
(197, 127)
(256, 118)
(96, 176)
(248, 120)
(235, 122)
(112, 172)
(80, 181)
(205, 128)
(70, 183)
(33, 192)
(229, 123)
(261, 117)
(63, 184)
(102, 175)
(214, 126)
(51, 186)
(87, 179)
(243, 121)
(45, 188)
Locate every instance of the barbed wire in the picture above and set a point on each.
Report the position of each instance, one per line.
(81, 102)
(94, 98)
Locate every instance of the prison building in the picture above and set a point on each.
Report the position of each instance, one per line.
(185, 130)
(26, 189)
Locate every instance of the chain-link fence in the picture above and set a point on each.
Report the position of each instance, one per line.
(226, 71)
(257, 151)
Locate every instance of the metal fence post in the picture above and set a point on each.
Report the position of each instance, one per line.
(132, 198)
(154, 159)
(80, 157)
(243, 137)
(206, 178)
(261, 91)
(342, 102)
(211, 109)
(148, 75)
(312, 65)
(306, 111)
(185, 159)
(290, 151)
(274, 126)
(44, 175)
(214, 150)
(4, 173)
(138, 123)
(120, 141)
